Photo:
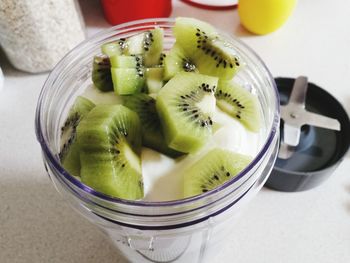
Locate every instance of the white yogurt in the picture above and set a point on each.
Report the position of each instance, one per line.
(162, 175)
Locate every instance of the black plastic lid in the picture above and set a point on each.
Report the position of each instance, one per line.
(319, 151)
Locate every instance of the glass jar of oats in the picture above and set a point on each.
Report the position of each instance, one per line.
(36, 34)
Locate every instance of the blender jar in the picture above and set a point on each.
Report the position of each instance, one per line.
(186, 230)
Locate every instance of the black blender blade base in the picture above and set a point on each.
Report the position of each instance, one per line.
(319, 151)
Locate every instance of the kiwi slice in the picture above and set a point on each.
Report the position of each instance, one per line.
(176, 61)
(199, 48)
(152, 136)
(239, 103)
(187, 30)
(127, 74)
(69, 153)
(215, 168)
(110, 141)
(122, 61)
(154, 79)
(185, 106)
(127, 80)
(114, 48)
(149, 44)
(101, 73)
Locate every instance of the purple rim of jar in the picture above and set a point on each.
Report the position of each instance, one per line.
(164, 227)
(189, 223)
(86, 200)
(54, 161)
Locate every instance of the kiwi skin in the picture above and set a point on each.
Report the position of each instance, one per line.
(69, 153)
(101, 73)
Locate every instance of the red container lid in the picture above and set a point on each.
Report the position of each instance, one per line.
(213, 4)
(120, 11)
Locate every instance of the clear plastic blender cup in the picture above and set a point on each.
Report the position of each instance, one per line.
(187, 230)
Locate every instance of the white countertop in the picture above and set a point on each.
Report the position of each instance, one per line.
(314, 226)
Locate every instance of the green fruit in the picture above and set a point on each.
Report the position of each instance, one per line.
(214, 169)
(110, 142)
(152, 136)
(69, 153)
(149, 44)
(176, 61)
(127, 80)
(101, 73)
(185, 106)
(154, 79)
(199, 48)
(239, 103)
(122, 61)
(114, 48)
(187, 31)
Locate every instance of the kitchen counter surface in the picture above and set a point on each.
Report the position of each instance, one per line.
(313, 226)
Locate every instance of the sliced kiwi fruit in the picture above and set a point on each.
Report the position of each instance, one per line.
(185, 106)
(187, 30)
(110, 142)
(128, 80)
(101, 73)
(176, 61)
(123, 61)
(214, 169)
(149, 44)
(133, 54)
(152, 136)
(127, 74)
(154, 79)
(239, 103)
(114, 48)
(200, 48)
(69, 153)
